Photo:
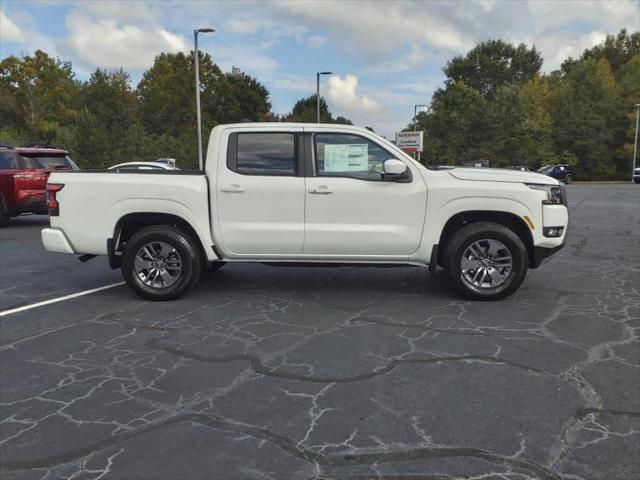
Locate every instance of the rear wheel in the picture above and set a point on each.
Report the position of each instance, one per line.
(161, 262)
(486, 261)
(4, 212)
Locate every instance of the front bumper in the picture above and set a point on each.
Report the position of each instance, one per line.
(56, 241)
(540, 254)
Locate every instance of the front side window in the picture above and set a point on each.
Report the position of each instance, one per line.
(345, 155)
(266, 154)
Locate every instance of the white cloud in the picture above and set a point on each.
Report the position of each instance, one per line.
(316, 41)
(376, 29)
(122, 11)
(249, 58)
(342, 94)
(557, 28)
(9, 31)
(106, 44)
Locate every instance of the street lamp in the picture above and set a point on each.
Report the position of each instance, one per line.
(318, 93)
(635, 144)
(196, 54)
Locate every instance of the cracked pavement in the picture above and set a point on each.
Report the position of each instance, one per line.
(330, 373)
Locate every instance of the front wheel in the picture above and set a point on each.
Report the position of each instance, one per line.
(568, 179)
(161, 262)
(486, 261)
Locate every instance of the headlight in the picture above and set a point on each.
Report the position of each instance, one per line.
(555, 193)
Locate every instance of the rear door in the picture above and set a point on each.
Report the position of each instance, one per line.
(260, 193)
(351, 210)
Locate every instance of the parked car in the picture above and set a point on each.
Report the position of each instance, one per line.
(141, 166)
(23, 179)
(166, 161)
(636, 175)
(562, 172)
(310, 193)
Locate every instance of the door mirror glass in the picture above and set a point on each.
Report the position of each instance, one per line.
(394, 168)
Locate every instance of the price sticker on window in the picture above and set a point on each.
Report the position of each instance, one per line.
(352, 157)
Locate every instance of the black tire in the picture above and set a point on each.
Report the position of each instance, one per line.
(636, 180)
(4, 212)
(480, 231)
(568, 179)
(184, 246)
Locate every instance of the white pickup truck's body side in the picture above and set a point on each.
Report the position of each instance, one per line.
(94, 203)
(299, 218)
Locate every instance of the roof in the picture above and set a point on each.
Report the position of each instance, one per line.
(337, 126)
(35, 150)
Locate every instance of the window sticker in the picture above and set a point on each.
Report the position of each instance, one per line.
(353, 157)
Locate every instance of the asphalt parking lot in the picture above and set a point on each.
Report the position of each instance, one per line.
(348, 373)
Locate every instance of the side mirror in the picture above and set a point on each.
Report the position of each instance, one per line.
(394, 168)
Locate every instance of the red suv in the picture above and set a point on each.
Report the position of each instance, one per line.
(23, 179)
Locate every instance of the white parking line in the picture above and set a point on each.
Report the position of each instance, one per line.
(59, 299)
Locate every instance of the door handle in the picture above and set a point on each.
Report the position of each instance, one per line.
(321, 190)
(233, 188)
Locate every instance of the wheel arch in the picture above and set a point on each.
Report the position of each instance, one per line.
(508, 219)
(131, 223)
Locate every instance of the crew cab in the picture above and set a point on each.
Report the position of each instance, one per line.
(23, 178)
(309, 194)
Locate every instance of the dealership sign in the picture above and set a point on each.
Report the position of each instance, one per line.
(409, 141)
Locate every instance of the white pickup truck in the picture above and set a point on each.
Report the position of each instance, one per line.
(308, 193)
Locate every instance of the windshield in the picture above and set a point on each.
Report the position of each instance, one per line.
(545, 168)
(48, 161)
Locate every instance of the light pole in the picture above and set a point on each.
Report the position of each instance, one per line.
(196, 55)
(415, 124)
(318, 93)
(635, 143)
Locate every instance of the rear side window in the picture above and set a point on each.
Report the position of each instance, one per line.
(47, 161)
(7, 160)
(264, 154)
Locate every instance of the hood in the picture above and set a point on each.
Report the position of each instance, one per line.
(501, 175)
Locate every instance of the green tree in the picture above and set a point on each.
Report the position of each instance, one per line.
(103, 128)
(252, 97)
(37, 95)
(615, 49)
(493, 64)
(304, 111)
(455, 125)
(587, 119)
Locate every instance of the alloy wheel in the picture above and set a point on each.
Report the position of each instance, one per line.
(486, 264)
(158, 265)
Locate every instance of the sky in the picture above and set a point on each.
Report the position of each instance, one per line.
(386, 56)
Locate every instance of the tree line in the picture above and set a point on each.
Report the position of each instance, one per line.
(497, 105)
(104, 120)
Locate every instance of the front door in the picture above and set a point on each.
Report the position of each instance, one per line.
(351, 210)
(260, 194)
